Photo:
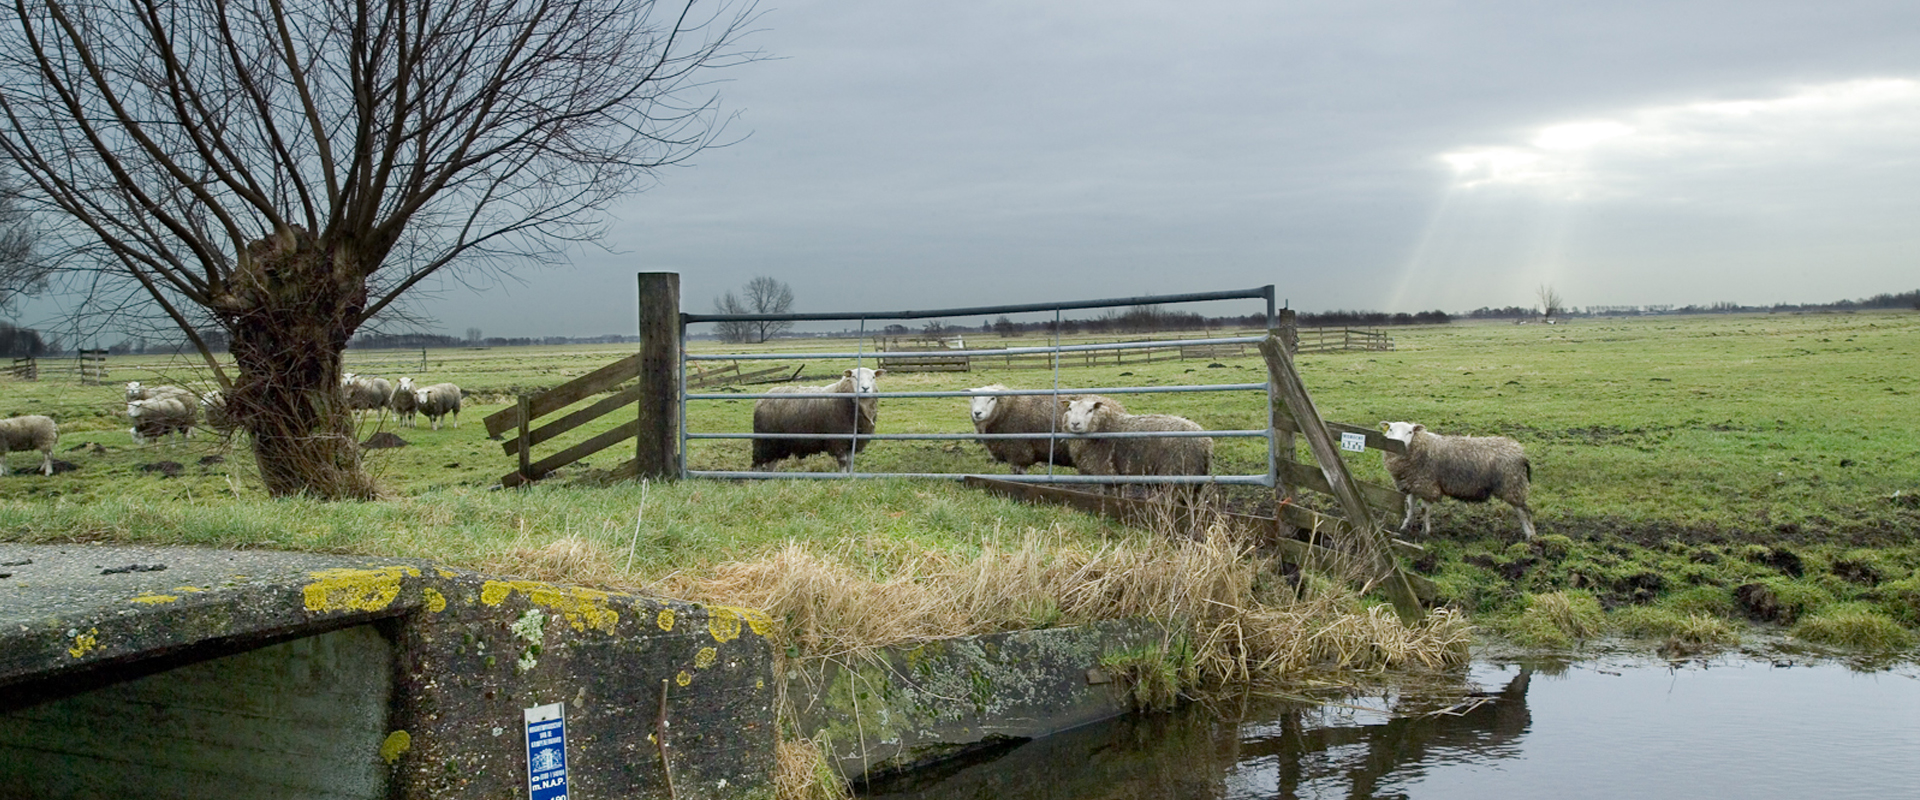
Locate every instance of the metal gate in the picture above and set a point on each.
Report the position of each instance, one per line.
(862, 357)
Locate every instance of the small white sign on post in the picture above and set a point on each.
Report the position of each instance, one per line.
(1355, 442)
(547, 752)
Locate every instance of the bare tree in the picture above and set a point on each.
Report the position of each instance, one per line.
(21, 272)
(287, 171)
(1550, 303)
(473, 336)
(764, 295)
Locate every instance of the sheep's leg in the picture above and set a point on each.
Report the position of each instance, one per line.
(3, 465)
(1526, 520)
(1408, 519)
(46, 462)
(1426, 520)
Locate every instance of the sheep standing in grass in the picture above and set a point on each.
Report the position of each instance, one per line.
(155, 417)
(135, 391)
(30, 432)
(1021, 414)
(1470, 468)
(1133, 456)
(437, 401)
(836, 418)
(365, 393)
(404, 402)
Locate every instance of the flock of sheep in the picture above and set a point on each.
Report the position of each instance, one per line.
(818, 419)
(1470, 468)
(158, 411)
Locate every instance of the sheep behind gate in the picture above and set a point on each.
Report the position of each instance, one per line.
(836, 418)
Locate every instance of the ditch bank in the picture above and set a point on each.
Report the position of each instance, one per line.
(160, 672)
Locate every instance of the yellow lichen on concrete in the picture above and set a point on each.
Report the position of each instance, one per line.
(705, 657)
(683, 678)
(436, 602)
(724, 622)
(84, 643)
(154, 599)
(665, 620)
(188, 589)
(396, 745)
(583, 608)
(355, 589)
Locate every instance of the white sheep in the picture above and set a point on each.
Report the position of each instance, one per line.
(1470, 468)
(404, 402)
(214, 403)
(1021, 414)
(437, 401)
(30, 432)
(365, 392)
(839, 417)
(155, 417)
(135, 391)
(1133, 456)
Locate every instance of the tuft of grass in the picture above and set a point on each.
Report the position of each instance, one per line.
(1681, 629)
(1156, 676)
(1856, 626)
(1702, 601)
(1556, 620)
(802, 772)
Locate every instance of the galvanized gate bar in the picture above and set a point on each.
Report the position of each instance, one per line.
(1264, 292)
(1204, 387)
(995, 353)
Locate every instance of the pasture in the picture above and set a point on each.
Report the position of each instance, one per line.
(1681, 438)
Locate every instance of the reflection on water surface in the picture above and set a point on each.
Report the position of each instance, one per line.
(1736, 729)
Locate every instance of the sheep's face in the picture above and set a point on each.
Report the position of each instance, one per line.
(420, 397)
(864, 380)
(983, 406)
(406, 384)
(347, 379)
(1401, 431)
(134, 392)
(1080, 414)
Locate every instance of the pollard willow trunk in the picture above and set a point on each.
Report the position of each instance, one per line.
(293, 303)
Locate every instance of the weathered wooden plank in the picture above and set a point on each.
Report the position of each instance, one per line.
(567, 394)
(575, 419)
(543, 467)
(1309, 477)
(1375, 438)
(657, 439)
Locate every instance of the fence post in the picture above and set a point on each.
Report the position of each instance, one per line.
(526, 460)
(656, 449)
(1289, 330)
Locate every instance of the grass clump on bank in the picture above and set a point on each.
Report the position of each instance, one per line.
(1856, 626)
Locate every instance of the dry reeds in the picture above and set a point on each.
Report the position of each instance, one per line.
(1206, 589)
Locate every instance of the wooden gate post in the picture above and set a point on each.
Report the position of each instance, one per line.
(657, 447)
(1370, 541)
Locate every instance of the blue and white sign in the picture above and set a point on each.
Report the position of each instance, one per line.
(547, 752)
(1356, 442)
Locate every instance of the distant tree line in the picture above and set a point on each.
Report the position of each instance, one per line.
(21, 342)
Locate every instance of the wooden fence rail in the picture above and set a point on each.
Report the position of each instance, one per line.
(26, 369)
(1326, 340)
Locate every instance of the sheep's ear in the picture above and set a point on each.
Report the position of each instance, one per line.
(847, 374)
(879, 372)
(1386, 426)
(1417, 427)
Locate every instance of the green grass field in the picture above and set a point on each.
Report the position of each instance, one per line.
(1671, 445)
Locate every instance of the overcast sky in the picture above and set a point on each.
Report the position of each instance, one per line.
(1360, 155)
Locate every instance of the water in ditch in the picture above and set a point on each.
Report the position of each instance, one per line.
(1734, 729)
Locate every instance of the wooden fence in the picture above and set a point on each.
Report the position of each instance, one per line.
(25, 369)
(1326, 340)
(92, 367)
